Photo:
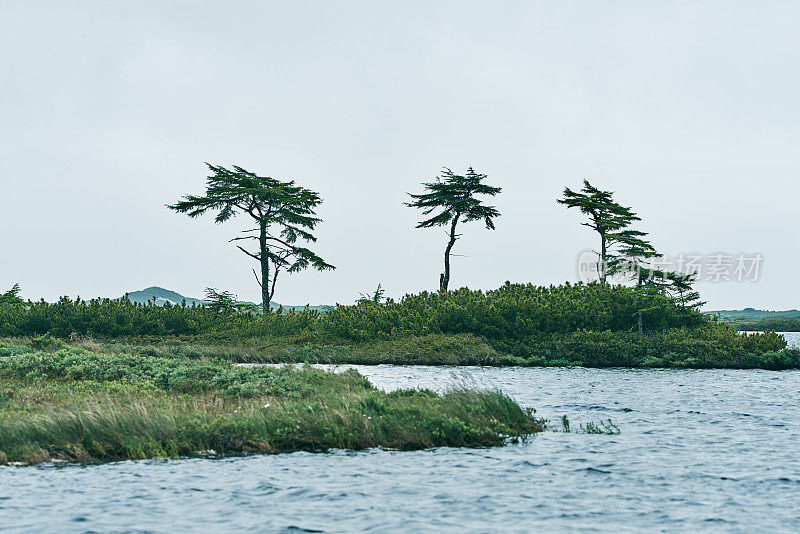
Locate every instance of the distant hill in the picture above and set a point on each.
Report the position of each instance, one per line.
(162, 296)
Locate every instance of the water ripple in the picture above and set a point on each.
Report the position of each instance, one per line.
(699, 450)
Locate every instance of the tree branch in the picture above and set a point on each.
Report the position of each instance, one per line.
(254, 256)
(257, 280)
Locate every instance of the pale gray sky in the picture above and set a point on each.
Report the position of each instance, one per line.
(687, 109)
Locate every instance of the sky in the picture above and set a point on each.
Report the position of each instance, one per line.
(687, 110)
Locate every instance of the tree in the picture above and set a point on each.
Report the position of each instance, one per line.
(376, 298)
(638, 258)
(682, 292)
(221, 302)
(606, 217)
(11, 296)
(284, 214)
(624, 251)
(455, 196)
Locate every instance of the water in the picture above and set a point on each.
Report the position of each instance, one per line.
(792, 339)
(699, 450)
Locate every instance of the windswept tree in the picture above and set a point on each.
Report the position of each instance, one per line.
(639, 259)
(376, 297)
(284, 217)
(221, 302)
(606, 217)
(454, 197)
(627, 252)
(11, 296)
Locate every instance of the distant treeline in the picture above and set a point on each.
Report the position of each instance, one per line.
(761, 325)
(750, 319)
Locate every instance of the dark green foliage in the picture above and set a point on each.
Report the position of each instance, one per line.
(512, 312)
(624, 251)
(221, 302)
(11, 296)
(283, 212)
(43, 342)
(712, 347)
(611, 221)
(454, 197)
(594, 325)
(122, 318)
(376, 298)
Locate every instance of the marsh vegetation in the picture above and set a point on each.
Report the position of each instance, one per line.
(75, 404)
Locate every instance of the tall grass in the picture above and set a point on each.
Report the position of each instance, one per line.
(77, 405)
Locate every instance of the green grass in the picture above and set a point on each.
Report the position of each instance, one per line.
(712, 347)
(75, 404)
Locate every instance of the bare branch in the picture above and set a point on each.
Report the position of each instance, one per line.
(254, 256)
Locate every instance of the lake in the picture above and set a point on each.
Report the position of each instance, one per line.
(712, 450)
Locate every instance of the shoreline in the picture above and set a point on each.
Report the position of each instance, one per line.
(80, 406)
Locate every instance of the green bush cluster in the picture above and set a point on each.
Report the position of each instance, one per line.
(123, 318)
(514, 311)
(593, 325)
(714, 346)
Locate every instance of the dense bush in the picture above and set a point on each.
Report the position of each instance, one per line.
(122, 318)
(594, 325)
(512, 312)
(712, 347)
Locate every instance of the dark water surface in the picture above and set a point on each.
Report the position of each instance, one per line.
(699, 450)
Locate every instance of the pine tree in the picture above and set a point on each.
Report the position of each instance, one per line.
(455, 196)
(284, 214)
(221, 302)
(628, 252)
(606, 217)
(11, 296)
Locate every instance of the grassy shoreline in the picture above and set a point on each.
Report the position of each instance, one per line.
(102, 400)
(73, 404)
(677, 349)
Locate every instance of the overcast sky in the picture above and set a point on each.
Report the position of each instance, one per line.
(689, 111)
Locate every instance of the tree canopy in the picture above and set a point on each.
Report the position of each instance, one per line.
(11, 296)
(284, 214)
(610, 220)
(454, 198)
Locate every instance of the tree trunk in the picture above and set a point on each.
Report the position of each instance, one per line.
(639, 322)
(603, 257)
(444, 278)
(265, 292)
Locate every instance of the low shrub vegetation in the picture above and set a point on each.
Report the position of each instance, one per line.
(593, 325)
(73, 404)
